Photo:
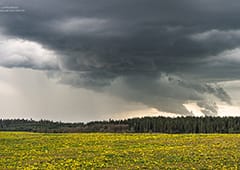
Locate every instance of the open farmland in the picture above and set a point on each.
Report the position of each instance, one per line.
(20, 150)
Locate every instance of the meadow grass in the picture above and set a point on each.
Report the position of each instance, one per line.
(20, 150)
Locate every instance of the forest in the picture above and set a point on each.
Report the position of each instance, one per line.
(133, 125)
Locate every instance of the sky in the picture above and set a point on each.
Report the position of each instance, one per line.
(84, 60)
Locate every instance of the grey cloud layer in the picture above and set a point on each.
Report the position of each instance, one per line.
(103, 42)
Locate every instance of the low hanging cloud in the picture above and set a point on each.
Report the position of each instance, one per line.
(162, 57)
(15, 52)
(208, 108)
(165, 92)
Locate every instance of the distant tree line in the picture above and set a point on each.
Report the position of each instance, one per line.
(134, 125)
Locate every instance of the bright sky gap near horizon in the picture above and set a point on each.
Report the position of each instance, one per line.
(94, 60)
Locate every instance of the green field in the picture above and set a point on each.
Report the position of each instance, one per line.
(20, 150)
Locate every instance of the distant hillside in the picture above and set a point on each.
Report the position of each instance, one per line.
(134, 125)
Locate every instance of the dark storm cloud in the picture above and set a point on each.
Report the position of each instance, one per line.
(103, 42)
